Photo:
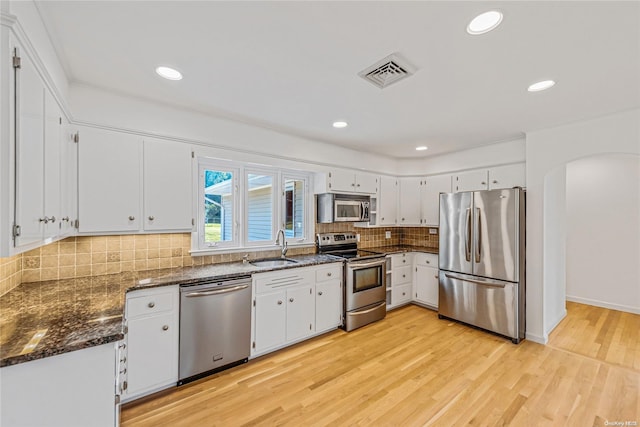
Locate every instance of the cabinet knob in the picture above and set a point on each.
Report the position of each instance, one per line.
(404, 293)
(131, 217)
(483, 183)
(45, 220)
(358, 185)
(404, 260)
(151, 304)
(52, 219)
(279, 302)
(495, 181)
(290, 299)
(428, 262)
(329, 274)
(435, 276)
(383, 218)
(320, 293)
(165, 328)
(404, 275)
(66, 218)
(352, 184)
(151, 218)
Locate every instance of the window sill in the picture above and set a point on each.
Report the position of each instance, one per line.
(248, 249)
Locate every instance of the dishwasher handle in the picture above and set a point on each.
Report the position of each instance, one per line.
(215, 291)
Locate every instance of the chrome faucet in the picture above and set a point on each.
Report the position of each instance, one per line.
(284, 242)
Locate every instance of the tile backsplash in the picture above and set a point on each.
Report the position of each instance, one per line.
(98, 255)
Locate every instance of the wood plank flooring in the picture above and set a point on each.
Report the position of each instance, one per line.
(412, 369)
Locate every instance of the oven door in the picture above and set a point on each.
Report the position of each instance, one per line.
(366, 283)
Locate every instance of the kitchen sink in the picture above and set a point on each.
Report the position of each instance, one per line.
(273, 262)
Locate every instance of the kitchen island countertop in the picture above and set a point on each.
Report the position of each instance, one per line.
(43, 319)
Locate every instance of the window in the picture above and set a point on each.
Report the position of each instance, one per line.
(294, 207)
(259, 207)
(217, 210)
(241, 207)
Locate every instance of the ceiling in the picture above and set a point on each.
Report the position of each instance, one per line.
(293, 66)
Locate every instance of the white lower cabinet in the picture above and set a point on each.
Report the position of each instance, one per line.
(70, 389)
(294, 304)
(152, 318)
(401, 279)
(426, 279)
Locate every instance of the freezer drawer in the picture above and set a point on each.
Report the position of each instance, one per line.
(485, 303)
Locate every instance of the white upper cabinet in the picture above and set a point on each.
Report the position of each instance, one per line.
(409, 201)
(507, 176)
(430, 191)
(167, 185)
(388, 201)
(130, 185)
(490, 179)
(344, 181)
(473, 180)
(43, 185)
(109, 177)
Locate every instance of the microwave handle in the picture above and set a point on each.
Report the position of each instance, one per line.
(363, 210)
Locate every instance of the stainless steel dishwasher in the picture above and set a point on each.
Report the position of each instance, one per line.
(215, 327)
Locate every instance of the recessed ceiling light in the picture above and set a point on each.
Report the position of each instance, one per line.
(340, 124)
(169, 73)
(421, 148)
(484, 22)
(537, 87)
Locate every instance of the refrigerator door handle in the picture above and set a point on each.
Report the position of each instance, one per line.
(477, 282)
(477, 235)
(467, 239)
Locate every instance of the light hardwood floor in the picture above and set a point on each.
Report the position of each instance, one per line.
(412, 369)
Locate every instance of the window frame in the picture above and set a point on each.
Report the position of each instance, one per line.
(214, 164)
(240, 173)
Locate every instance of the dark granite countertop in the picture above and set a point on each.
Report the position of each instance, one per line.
(395, 249)
(43, 319)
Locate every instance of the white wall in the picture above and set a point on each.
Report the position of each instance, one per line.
(547, 150)
(500, 153)
(603, 236)
(98, 107)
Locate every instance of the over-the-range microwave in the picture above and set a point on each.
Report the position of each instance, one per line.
(342, 208)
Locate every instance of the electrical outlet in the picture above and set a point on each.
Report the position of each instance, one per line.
(433, 231)
(387, 234)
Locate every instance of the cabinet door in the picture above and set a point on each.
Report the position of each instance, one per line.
(300, 312)
(52, 170)
(328, 305)
(401, 295)
(474, 180)
(270, 320)
(167, 185)
(507, 177)
(366, 183)
(29, 185)
(409, 201)
(341, 181)
(430, 191)
(388, 200)
(68, 181)
(152, 353)
(427, 285)
(109, 181)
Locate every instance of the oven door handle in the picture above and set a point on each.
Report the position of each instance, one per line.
(358, 265)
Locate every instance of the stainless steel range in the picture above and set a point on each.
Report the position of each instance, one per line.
(365, 279)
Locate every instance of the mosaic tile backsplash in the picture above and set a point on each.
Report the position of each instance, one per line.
(98, 255)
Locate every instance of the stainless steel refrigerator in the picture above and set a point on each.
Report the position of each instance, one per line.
(482, 260)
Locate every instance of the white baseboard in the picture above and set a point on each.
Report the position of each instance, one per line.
(619, 307)
(535, 338)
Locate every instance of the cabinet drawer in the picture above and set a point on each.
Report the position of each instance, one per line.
(401, 294)
(150, 303)
(334, 271)
(430, 260)
(402, 275)
(398, 260)
(268, 282)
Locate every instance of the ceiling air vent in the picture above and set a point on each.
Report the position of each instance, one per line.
(387, 71)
